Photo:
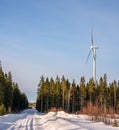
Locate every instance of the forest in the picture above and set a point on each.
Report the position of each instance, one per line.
(61, 94)
(11, 97)
(85, 98)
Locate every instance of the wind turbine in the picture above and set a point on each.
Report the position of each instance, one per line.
(93, 49)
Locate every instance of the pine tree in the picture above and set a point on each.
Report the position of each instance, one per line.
(52, 93)
(46, 93)
(101, 94)
(58, 93)
(63, 87)
(23, 101)
(73, 97)
(82, 93)
(16, 98)
(90, 89)
(8, 92)
(68, 95)
(115, 95)
(20, 101)
(105, 93)
(39, 102)
(2, 83)
(111, 95)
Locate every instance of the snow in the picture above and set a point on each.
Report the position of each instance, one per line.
(30, 119)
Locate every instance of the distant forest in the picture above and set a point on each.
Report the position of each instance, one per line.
(11, 98)
(85, 97)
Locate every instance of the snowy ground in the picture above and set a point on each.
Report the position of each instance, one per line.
(32, 120)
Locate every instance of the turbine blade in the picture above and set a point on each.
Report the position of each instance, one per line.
(92, 37)
(94, 56)
(88, 55)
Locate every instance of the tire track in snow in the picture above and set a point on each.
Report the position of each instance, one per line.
(29, 122)
(23, 124)
(36, 122)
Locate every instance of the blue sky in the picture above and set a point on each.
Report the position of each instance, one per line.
(52, 37)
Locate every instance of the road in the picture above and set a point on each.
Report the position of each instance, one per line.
(30, 119)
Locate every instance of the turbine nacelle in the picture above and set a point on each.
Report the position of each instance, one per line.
(94, 47)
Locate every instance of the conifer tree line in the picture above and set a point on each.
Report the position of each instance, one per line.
(85, 97)
(11, 98)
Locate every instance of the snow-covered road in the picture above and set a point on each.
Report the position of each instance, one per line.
(32, 120)
(28, 120)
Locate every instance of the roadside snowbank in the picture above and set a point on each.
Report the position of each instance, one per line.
(32, 120)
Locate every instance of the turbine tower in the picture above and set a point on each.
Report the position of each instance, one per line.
(93, 49)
